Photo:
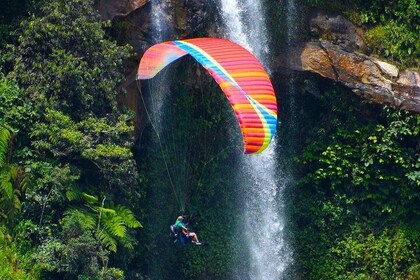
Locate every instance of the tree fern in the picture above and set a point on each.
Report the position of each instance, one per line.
(108, 241)
(10, 183)
(82, 218)
(90, 199)
(128, 217)
(4, 144)
(73, 194)
(116, 221)
(128, 242)
(8, 175)
(109, 223)
(115, 225)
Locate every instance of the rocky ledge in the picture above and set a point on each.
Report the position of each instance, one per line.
(340, 54)
(368, 77)
(109, 9)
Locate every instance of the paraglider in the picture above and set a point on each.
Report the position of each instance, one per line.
(239, 74)
(181, 233)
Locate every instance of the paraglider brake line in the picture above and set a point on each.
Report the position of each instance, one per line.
(160, 143)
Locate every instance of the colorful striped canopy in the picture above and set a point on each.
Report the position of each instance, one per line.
(238, 73)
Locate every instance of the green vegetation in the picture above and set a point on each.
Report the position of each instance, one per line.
(393, 27)
(66, 147)
(356, 203)
(357, 200)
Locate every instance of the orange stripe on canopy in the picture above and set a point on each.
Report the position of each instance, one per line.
(240, 75)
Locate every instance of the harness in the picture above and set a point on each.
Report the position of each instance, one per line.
(176, 232)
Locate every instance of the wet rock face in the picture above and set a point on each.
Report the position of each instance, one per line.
(134, 21)
(337, 29)
(339, 54)
(182, 19)
(201, 17)
(192, 18)
(111, 8)
(408, 84)
(368, 77)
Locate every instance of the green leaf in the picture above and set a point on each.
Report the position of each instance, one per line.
(90, 199)
(4, 144)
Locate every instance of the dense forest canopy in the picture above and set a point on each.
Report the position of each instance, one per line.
(83, 197)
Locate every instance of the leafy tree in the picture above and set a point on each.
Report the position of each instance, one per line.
(12, 261)
(357, 200)
(15, 111)
(16, 263)
(380, 161)
(97, 143)
(392, 26)
(89, 234)
(388, 255)
(61, 102)
(11, 178)
(64, 61)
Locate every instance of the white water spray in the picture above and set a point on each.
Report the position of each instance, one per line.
(263, 182)
(245, 26)
(264, 212)
(292, 29)
(161, 30)
(291, 19)
(160, 96)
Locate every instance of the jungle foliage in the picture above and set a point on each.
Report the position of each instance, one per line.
(393, 27)
(357, 198)
(66, 147)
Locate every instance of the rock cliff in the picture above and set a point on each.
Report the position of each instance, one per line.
(366, 76)
(110, 9)
(339, 53)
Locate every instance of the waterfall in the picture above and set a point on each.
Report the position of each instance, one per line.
(157, 98)
(160, 31)
(264, 215)
(160, 28)
(245, 26)
(160, 96)
(291, 33)
(261, 179)
(291, 18)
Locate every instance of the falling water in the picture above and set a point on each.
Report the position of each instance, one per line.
(291, 22)
(160, 28)
(245, 18)
(160, 31)
(265, 222)
(291, 33)
(160, 96)
(262, 181)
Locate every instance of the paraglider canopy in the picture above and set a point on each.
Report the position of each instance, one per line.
(240, 76)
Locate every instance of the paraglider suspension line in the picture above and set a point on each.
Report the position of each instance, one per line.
(160, 144)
